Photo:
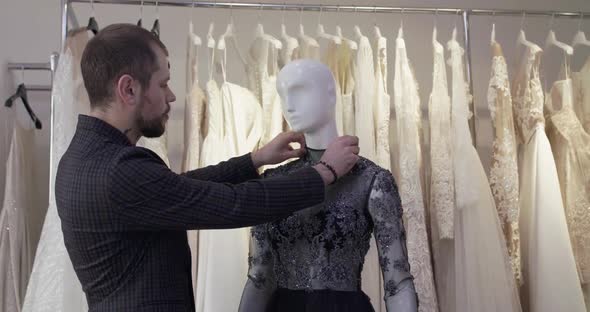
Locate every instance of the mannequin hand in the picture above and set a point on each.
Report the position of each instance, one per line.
(279, 149)
(341, 155)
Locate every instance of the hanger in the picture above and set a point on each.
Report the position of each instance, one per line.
(376, 29)
(580, 37)
(210, 39)
(139, 22)
(156, 26)
(284, 36)
(400, 32)
(351, 43)
(92, 24)
(196, 40)
(356, 28)
(259, 33)
(302, 36)
(321, 33)
(493, 35)
(231, 34)
(21, 92)
(522, 37)
(552, 40)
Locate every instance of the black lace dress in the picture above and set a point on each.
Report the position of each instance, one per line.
(312, 260)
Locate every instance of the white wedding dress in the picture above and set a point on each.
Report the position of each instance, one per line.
(442, 183)
(407, 108)
(261, 70)
(20, 220)
(550, 277)
(504, 168)
(157, 145)
(223, 254)
(364, 98)
(53, 285)
(483, 277)
(194, 129)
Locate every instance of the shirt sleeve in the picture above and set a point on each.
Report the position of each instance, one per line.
(235, 170)
(386, 211)
(148, 196)
(261, 282)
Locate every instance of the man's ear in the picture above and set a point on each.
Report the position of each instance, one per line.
(127, 89)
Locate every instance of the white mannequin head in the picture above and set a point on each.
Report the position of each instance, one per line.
(308, 96)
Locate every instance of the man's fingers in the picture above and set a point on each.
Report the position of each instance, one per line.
(295, 153)
(350, 140)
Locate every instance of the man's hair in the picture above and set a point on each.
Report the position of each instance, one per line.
(117, 50)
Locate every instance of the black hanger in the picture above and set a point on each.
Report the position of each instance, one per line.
(21, 92)
(92, 25)
(156, 28)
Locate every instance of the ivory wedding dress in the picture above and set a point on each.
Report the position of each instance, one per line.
(571, 148)
(550, 279)
(442, 184)
(235, 128)
(20, 220)
(504, 169)
(53, 285)
(407, 107)
(483, 278)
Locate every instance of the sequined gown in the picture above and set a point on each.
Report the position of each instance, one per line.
(312, 260)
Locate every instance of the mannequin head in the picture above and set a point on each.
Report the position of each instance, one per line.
(308, 96)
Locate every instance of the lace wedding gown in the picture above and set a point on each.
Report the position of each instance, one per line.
(364, 98)
(571, 149)
(262, 82)
(235, 127)
(442, 185)
(19, 221)
(550, 279)
(581, 85)
(194, 131)
(53, 285)
(504, 169)
(407, 107)
(382, 103)
(483, 278)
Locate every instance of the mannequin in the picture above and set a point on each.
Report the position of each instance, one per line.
(312, 260)
(308, 90)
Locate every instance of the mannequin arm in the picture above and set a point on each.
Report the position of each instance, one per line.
(386, 211)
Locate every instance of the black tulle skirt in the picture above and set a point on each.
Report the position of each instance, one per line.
(286, 300)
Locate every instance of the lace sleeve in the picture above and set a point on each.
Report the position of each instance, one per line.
(261, 282)
(386, 211)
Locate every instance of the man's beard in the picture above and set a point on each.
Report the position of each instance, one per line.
(152, 128)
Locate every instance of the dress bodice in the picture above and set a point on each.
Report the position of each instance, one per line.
(324, 247)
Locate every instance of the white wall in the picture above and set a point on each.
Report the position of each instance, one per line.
(30, 31)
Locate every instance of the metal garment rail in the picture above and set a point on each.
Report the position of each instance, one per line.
(465, 13)
(32, 66)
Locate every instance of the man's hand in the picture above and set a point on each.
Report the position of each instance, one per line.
(279, 149)
(341, 156)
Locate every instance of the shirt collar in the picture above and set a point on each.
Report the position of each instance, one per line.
(103, 128)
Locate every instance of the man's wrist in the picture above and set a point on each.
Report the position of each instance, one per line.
(325, 173)
(257, 159)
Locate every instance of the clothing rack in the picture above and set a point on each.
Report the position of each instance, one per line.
(50, 66)
(464, 13)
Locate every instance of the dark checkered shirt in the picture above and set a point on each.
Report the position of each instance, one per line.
(124, 215)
